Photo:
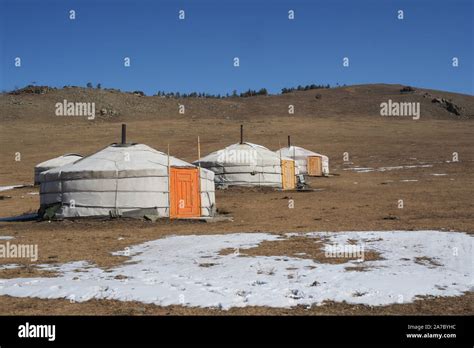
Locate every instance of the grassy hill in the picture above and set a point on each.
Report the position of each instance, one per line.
(37, 104)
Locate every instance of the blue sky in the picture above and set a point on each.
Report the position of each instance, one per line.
(196, 54)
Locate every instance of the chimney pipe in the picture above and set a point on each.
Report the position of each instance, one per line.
(124, 133)
(289, 142)
(241, 133)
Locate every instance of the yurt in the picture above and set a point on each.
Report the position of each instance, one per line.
(54, 163)
(248, 164)
(307, 162)
(128, 180)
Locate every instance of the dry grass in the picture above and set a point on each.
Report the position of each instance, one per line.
(298, 247)
(461, 305)
(425, 260)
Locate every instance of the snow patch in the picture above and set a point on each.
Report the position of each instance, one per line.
(9, 266)
(6, 188)
(384, 169)
(169, 271)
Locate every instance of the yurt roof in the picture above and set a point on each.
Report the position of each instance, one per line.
(60, 161)
(264, 155)
(296, 151)
(118, 160)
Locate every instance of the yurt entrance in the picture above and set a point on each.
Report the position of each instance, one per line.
(184, 193)
(288, 174)
(315, 166)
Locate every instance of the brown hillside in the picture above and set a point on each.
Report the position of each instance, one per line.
(360, 100)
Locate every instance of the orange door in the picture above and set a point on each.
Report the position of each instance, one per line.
(288, 174)
(184, 193)
(315, 166)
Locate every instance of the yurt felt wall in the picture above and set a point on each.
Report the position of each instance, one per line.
(300, 156)
(117, 180)
(54, 163)
(244, 164)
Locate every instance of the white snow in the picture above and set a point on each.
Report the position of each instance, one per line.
(188, 270)
(6, 188)
(360, 169)
(384, 169)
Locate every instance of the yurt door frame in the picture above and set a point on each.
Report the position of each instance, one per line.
(288, 174)
(185, 200)
(315, 166)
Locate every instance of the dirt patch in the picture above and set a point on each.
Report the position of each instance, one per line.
(460, 305)
(300, 247)
(209, 264)
(360, 268)
(426, 261)
(26, 271)
(120, 277)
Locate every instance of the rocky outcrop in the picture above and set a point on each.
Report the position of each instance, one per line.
(448, 105)
(108, 112)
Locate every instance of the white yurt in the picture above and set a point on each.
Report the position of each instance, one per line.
(128, 180)
(54, 163)
(307, 162)
(248, 164)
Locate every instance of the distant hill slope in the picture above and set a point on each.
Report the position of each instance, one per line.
(38, 104)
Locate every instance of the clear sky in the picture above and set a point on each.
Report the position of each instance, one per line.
(196, 54)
